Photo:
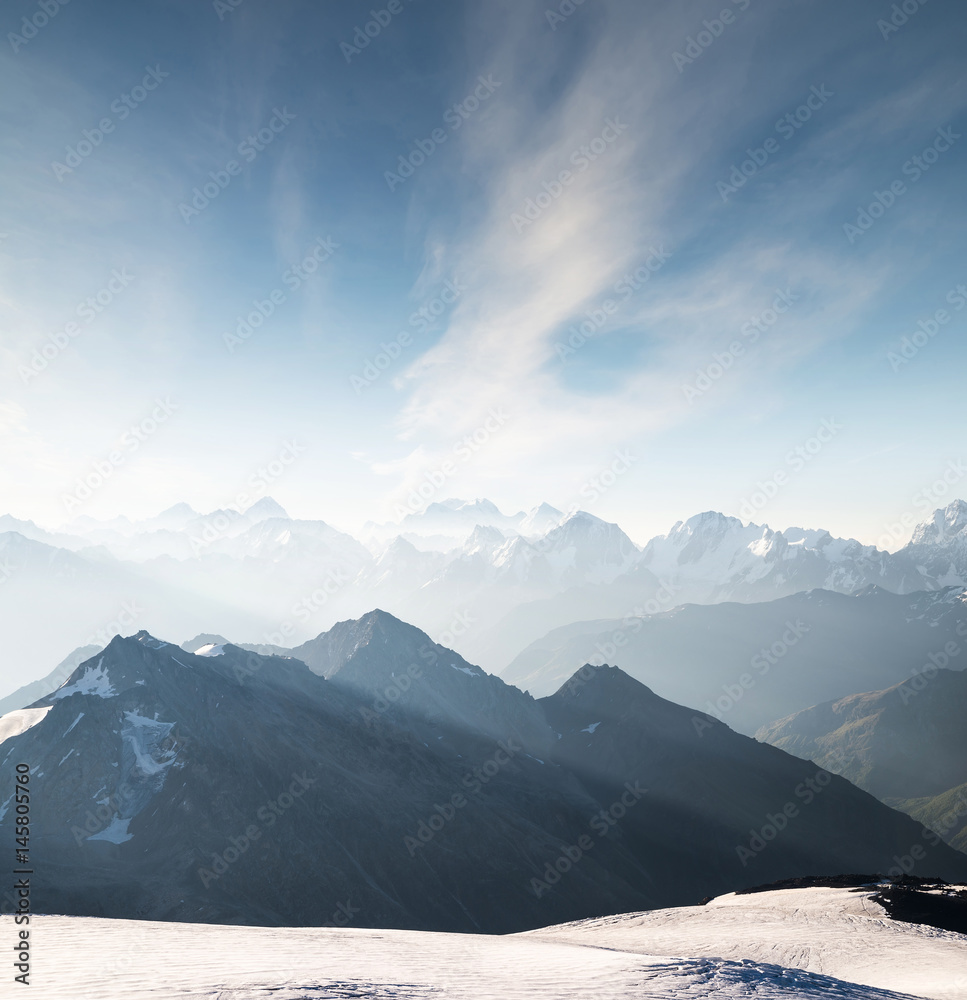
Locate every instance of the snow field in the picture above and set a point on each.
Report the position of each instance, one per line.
(832, 932)
(802, 943)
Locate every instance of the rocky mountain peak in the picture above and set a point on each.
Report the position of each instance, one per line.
(943, 526)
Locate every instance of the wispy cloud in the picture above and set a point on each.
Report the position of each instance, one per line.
(533, 254)
(528, 279)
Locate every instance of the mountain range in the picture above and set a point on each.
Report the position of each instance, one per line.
(386, 779)
(907, 745)
(462, 571)
(749, 664)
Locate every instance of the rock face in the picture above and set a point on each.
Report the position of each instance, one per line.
(381, 659)
(749, 664)
(906, 745)
(939, 545)
(713, 794)
(232, 786)
(715, 558)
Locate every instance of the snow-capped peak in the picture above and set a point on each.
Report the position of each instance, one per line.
(264, 509)
(174, 518)
(945, 524)
(484, 539)
(540, 520)
(147, 639)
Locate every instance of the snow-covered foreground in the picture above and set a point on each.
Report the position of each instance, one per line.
(799, 943)
(832, 932)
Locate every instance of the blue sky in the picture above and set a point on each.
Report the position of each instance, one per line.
(299, 132)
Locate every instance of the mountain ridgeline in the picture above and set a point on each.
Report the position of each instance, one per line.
(749, 664)
(907, 745)
(379, 779)
(264, 577)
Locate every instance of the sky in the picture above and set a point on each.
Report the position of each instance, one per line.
(643, 259)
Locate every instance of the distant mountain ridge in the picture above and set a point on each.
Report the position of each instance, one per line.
(266, 578)
(907, 745)
(749, 664)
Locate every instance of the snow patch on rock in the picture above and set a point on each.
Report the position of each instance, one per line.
(94, 680)
(115, 833)
(212, 649)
